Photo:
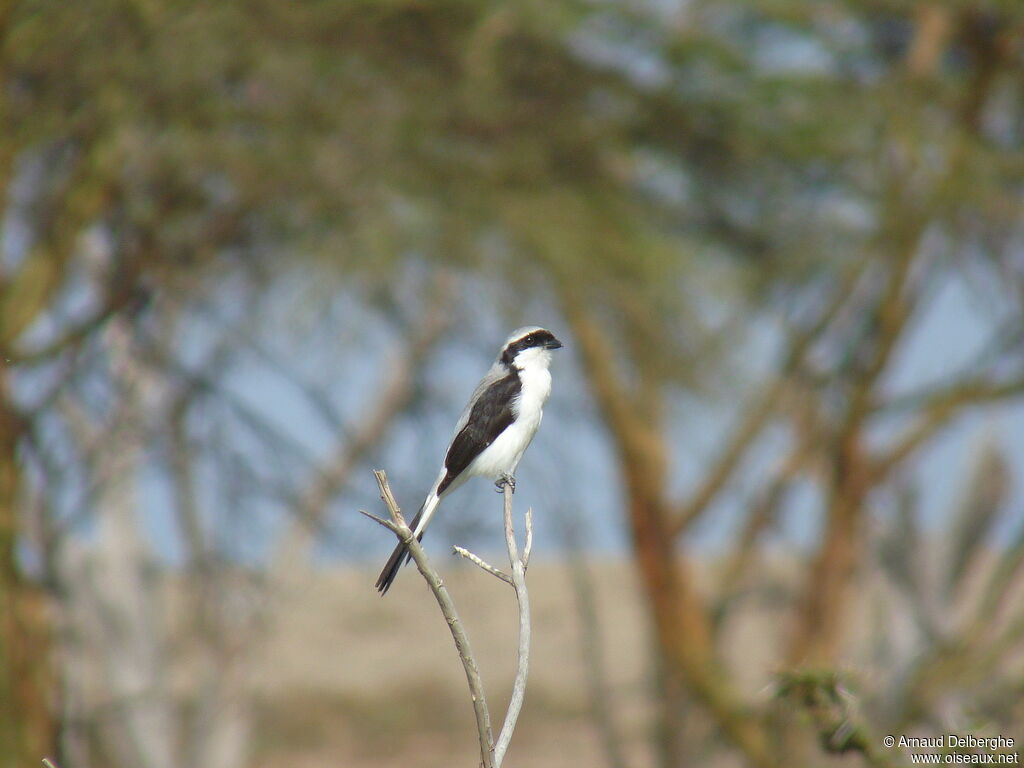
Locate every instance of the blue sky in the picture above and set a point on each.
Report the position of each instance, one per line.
(341, 355)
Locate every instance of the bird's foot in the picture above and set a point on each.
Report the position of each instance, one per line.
(505, 479)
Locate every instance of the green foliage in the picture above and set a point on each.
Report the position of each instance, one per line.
(669, 169)
(582, 138)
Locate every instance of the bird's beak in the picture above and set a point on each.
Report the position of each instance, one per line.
(553, 344)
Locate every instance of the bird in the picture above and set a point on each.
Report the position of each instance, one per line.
(494, 430)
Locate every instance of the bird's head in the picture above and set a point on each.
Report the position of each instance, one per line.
(531, 345)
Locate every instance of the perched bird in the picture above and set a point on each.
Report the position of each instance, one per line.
(494, 430)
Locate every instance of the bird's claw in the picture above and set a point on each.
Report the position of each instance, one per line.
(501, 482)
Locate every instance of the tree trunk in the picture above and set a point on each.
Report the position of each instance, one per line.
(681, 624)
(26, 716)
(819, 630)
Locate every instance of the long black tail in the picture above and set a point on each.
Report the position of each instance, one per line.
(398, 558)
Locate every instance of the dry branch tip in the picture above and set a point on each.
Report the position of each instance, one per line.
(381, 521)
(484, 565)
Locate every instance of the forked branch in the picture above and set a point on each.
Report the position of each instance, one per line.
(491, 752)
(398, 526)
(523, 598)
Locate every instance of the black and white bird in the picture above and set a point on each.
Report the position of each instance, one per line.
(493, 431)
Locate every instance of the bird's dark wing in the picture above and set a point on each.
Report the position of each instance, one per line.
(489, 417)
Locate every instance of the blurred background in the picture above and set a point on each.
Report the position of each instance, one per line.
(251, 250)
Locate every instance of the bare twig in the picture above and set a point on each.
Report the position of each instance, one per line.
(398, 526)
(478, 561)
(523, 598)
(528, 547)
(380, 520)
(491, 752)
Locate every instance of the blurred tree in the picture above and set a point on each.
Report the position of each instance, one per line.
(662, 176)
(149, 154)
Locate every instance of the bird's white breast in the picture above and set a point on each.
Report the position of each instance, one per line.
(503, 455)
(536, 387)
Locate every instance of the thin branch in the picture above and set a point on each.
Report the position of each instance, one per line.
(391, 402)
(826, 595)
(523, 598)
(968, 392)
(381, 521)
(763, 405)
(938, 408)
(934, 26)
(71, 338)
(1005, 574)
(763, 512)
(476, 687)
(479, 562)
(528, 547)
(491, 752)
